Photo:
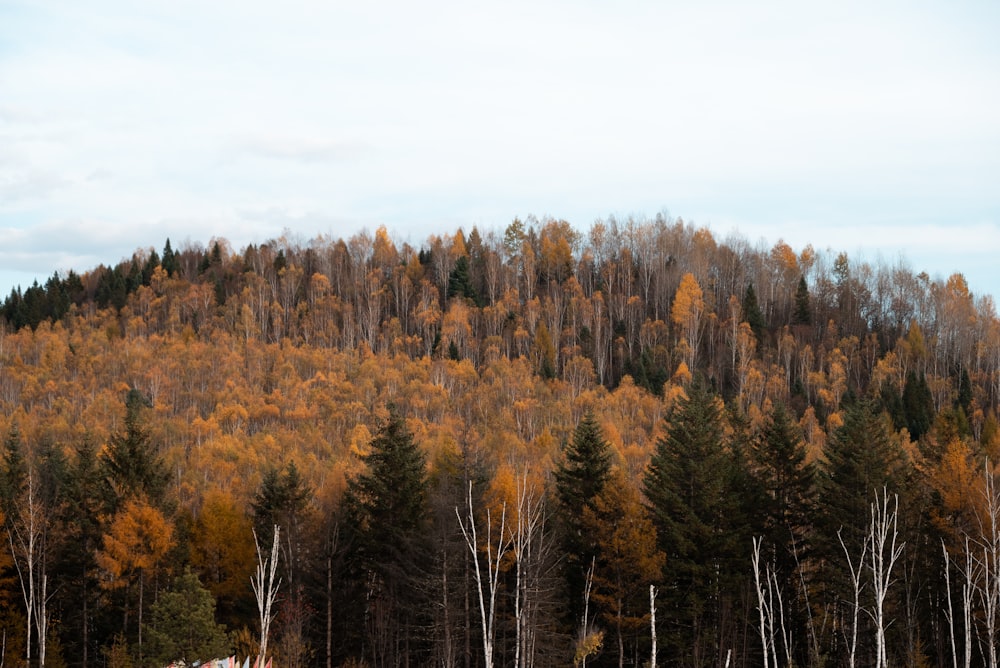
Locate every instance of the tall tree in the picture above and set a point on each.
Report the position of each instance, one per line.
(386, 510)
(628, 561)
(132, 464)
(580, 477)
(861, 459)
(183, 626)
(787, 481)
(688, 486)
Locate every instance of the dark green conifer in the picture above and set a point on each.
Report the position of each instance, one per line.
(689, 488)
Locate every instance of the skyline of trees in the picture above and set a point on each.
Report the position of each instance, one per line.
(638, 403)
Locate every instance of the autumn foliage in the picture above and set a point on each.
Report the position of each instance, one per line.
(199, 374)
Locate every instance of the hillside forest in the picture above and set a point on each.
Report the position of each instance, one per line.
(635, 445)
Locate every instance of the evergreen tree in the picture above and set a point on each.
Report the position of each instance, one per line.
(386, 527)
(689, 488)
(460, 283)
(861, 458)
(787, 482)
(752, 313)
(918, 405)
(803, 313)
(132, 465)
(183, 626)
(779, 464)
(169, 260)
(283, 499)
(77, 606)
(580, 478)
(14, 475)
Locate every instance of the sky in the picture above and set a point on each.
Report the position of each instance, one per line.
(865, 127)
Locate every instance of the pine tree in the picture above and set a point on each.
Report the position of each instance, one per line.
(580, 478)
(779, 463)
(131, 462)
(689, 488)
(386, 527)
(183, 626)
(752, 313)
(803, 312)
(283, 499)
(918, 405)
(861, 459)
(787, 481)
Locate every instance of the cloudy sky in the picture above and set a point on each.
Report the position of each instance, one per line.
(869, 127)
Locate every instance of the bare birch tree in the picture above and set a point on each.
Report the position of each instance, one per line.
(265, 588)
(855, 569)
(885, 551)
(26, 536)
(487, 610)
(529, 547)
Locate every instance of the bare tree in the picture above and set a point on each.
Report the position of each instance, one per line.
(529, 547)
(987, 582)
(855, 569)
(771, 609)
(265, 588)
(652, 625)
(885, 551)
(967, 591)
(26, 536)
(487, 611)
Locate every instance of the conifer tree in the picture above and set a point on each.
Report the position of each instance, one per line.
(131, 463)
(386, 527)
(803, 313)
(688, 486)
(787, 481)
(779, 464)
(752, 313)
(183, 625)
(861, 459)
(580, 479)
(918, 405)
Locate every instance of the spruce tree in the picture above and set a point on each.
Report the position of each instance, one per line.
(752, 313)
(580, 479)
(183, 626)
(689, 487)
(918, 405)
(386, 527)
(803, 312)
(779, 463)
(131, 462)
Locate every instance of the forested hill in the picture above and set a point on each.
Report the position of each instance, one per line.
(199, 391)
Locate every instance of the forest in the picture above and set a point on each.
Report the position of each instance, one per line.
(634, 445)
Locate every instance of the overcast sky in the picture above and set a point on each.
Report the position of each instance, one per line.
(868, 127)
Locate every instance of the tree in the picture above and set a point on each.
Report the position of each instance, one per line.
(222, 550)
(803, 313)
(580, 477)
(781, 473)
(135, 544)
(183, 626)
(628, 560)
(861, 458)
(283, 499)
(752, 313)
(387, 540)
(80, 535)
(686, 313)
(132, 465)
(490, 581)
(780, 468)
(688, 487)
(265, 589)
